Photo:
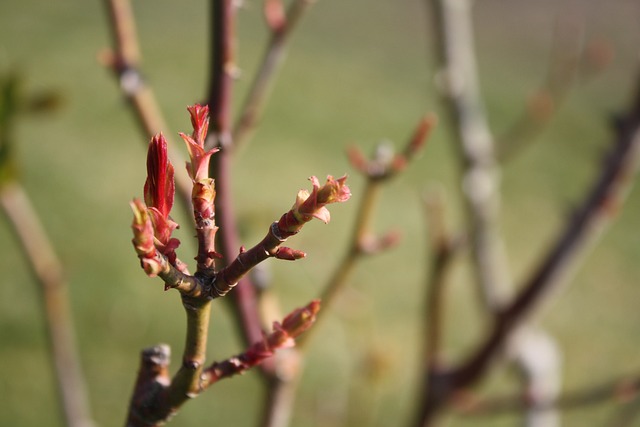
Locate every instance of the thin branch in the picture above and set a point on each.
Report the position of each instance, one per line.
(124, 60)
(272, 59)
(222, 71)
(564, 64)
(444, 247)
(186, 382)
(244, 298)
(282, 336)
(621, 391)
(603, 200)
(480, 174)
(49, 274)
(156, 398)
(383, 167)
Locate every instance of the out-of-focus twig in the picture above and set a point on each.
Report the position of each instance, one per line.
(124, 61)
(481, 190)
(443, 248)
(222, 51)
(282, 26)
(622, 390)
(564, 65)
(480, 180)
(600, 205)
(384, 166)
(39, 252)
(48, 271)
(157, 398)
(539, 364)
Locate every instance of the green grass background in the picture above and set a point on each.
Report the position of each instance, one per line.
(358, 71)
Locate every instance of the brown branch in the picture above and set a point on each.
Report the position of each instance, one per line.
(124, 60)
(156, 398)
(272, 59)
(244, 299)
(601, 203)
(567, 48)
(480, 174)
(621, 391)
(282, 336)
(222, 72)
(151, 383)
(49, 274)
(378, 170)
(608, 191)
(444, 247)
(481, 192)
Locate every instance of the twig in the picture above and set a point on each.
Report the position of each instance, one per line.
(564, 64)
(443, 247)
(219, 99)
(603, 200)
(480, 171)
(622, 390)
(281, 29)
(383, 167)
(48, 271)
(152, 239)
(156, 398)
(124, 61)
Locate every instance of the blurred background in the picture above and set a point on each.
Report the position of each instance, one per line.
(357, 72)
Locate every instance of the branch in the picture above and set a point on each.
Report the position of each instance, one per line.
(38, 251)
(601, 203)
(124, 60)
(283, 336)
(444, 248)
(219, 100)
(282, 27)
(567, 48)
(382, 167)
(621, 391)
(480, 174)
(49, 274)
(307, 206)
(156, 398)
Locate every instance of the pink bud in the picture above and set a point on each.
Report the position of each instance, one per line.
(289, 254)
(198, 168)
(200, 122)
(159, 187)
(275, 15)
(203, 196)
(143, 238)
(301, 319)
(333, 191)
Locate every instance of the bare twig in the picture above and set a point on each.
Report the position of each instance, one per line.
(48, 271)
(564, 64)
(124, 60)
(383, 167)
(481, 190)
(156, 398)
(220, 85)
(622, 391)
(443, 250)
(281, 29)
(601, 203)
(480, 178)
(480, 185)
